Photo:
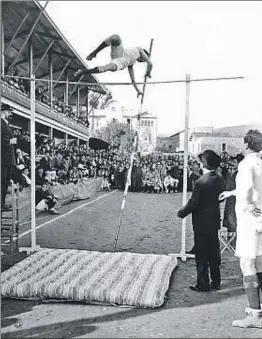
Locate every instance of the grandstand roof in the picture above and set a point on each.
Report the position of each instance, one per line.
(25, 14)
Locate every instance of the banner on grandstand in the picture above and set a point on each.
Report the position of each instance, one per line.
(95, 143)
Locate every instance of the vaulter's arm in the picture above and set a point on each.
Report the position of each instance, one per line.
(148, 61)
(132, 76)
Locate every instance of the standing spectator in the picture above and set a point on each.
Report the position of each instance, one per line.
(197, 171)
(249, 227)
(204, 206)
(8, 161)
(162, 170)
(57, 161)
(229, 220)
(136, 178)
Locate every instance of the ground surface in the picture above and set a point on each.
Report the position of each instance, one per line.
(149, 225)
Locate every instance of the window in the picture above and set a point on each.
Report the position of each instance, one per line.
(152, 123)
(224, 147)
(142, 122)
(145, 122)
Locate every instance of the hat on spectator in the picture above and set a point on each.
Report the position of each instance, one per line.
(239, 157)
(210, 159)
(6, 107)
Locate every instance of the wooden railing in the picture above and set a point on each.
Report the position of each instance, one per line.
(23, 100)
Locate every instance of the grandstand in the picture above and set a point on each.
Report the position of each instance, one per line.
(32, 43)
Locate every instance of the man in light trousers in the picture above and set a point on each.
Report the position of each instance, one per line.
(249, 227)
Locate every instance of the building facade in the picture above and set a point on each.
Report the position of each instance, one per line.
(198, 143)
(146, 125)
(200, 139)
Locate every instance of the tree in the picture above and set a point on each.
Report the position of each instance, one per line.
(106, 99)
(116, 134)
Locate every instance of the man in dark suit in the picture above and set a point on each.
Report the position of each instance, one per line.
(204, 206)
(45, 162)
(8, 161)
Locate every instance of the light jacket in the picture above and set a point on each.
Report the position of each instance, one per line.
(249, 192)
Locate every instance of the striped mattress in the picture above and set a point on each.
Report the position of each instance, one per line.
(121, 278)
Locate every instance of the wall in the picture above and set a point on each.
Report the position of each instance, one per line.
(233, 144)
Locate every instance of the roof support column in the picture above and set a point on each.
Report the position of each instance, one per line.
(30, 58)
(78, 102)
(44, 55)
(66, 89)
(51, 133)
(87, 103)
(29, 35)
(76, 86)
(62, 72)
(66, 139)
(16, 32)
(50, 83)
(2, 47)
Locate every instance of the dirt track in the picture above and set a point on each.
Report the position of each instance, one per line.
(149, 225)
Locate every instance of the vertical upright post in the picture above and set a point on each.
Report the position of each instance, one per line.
(66, 139)
(143, 97)
(183, 235)
(32, 132)
(50, 68)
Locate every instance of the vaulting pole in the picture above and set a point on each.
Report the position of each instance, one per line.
(144, 86)
(184, 199)
(128, 179)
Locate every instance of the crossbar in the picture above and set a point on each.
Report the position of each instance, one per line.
(130, 83)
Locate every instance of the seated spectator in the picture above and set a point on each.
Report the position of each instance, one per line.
(21, 159)
(105, 183)
(45, 201)
(39, 176)
(62, 177)
(51, 177)
(25, 179)
(45, 162)
(170, 184)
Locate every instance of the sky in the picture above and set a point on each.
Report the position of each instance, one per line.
(201, 38)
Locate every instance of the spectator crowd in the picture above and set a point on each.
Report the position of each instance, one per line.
(42, 96)
(63, 164)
